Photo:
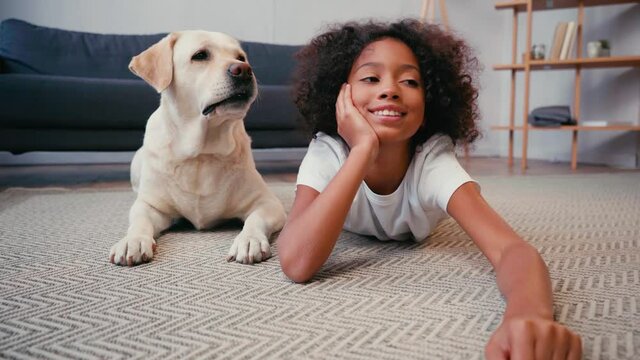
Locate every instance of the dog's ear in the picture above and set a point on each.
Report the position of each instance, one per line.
(155, 65)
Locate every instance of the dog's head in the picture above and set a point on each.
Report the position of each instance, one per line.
(205, 73)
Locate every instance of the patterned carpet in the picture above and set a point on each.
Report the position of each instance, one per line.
(60, 298)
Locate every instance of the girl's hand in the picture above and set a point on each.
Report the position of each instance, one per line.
(352, 126)
(533, 338)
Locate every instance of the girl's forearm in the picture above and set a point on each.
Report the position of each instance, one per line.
(523, 279)
(521, 274)
(307, 240)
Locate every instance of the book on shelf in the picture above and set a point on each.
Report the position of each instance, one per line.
(569, 40)
(603, 123)
(558, 38)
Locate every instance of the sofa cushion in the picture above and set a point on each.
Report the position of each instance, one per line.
(32, 49)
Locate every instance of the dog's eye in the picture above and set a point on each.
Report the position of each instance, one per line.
(200, 56)
(241, 58)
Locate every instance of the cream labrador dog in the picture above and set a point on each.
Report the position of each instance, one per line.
(196, 161)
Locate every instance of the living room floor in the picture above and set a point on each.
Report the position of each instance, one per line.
(117, 175)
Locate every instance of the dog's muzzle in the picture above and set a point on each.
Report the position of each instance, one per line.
(242, 80)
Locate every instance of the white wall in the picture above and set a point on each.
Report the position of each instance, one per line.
(607, 93)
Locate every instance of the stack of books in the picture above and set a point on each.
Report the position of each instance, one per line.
(564, 39)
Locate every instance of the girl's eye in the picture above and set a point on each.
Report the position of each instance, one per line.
(370, 79)
(412, 83)
(201, 55)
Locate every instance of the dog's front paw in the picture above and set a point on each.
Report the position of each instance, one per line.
(249, 248)
(132, 250)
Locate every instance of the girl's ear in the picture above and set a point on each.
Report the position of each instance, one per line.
(155, 65)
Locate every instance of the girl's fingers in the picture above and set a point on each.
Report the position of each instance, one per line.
(522, 343)
(544, 342)
(575, 351)
(340, 103)
(521, 339)
(349, 107)
(494, 351)
(562, 345)
(347, 98)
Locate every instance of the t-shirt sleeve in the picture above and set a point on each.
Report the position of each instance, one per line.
(441, 175)
(320, 164)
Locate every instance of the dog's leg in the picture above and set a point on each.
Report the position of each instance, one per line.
(252, 244)
(145, 222)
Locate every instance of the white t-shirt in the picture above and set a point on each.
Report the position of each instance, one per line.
(413, 210)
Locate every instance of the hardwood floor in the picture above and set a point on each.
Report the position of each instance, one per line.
(117, 175)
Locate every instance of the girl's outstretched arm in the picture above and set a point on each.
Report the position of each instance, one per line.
(528, 330)
(316, 219)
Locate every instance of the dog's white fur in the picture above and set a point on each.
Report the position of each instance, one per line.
(196, 166)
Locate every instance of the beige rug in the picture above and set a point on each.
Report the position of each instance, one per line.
(60, 298)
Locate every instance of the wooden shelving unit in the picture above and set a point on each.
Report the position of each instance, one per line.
(578, 63)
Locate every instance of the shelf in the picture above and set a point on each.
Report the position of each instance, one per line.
(591, 63)
(516, 67)
(571, 128)
(521, 5)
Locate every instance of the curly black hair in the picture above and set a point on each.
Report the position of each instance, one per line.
(447, 67)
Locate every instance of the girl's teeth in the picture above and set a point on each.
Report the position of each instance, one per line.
(387, 113)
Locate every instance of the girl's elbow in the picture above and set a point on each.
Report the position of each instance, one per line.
(297, 275)
(294, 267)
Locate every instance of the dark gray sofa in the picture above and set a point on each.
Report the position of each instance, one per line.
(72, 91)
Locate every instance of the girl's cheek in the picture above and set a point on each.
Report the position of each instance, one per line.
(357, 98)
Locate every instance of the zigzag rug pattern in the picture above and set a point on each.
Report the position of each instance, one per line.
(60, 298)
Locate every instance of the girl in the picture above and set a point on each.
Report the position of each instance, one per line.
(387, 103)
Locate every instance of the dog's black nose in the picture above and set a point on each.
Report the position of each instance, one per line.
(240, 71)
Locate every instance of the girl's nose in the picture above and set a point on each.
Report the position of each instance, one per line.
(389, 92)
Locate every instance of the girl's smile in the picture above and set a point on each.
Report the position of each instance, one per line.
(388, 113)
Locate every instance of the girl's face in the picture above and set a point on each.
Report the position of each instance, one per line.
(387, 90)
